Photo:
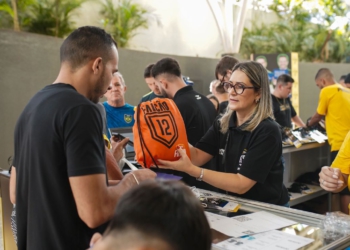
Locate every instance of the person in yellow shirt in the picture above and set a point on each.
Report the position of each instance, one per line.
(336, 178)
(334, 106)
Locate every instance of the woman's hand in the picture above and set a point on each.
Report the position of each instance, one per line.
(184, 164)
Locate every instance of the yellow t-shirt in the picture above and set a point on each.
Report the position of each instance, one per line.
(108, 143)
(342, 161)
(334, 104)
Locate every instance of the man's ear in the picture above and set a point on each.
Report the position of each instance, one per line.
(164, 83)
(97, 65)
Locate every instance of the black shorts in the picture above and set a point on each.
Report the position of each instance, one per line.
(333, 155)
(345, 191)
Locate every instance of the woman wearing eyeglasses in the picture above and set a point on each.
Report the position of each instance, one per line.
(246, 141)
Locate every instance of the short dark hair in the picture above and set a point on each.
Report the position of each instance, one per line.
(147, 73)
(347, 78)
(84, 44)
(342, 77)
(226, 63)
(284, 79)
(166, 66)
(325, 73)
(165, 210)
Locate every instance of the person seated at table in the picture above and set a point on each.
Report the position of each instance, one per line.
(246, 140)
(336, 177)
(157, 215)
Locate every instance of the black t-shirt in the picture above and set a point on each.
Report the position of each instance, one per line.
(283, 111)
(198, 113)
(222, 107)
(57, 136)
(150, 96)
(256, 155)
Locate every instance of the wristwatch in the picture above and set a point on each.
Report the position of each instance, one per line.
(200, 178)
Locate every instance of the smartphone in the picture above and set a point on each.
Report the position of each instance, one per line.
(121, 137)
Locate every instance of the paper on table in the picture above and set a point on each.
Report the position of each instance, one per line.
(247, 224)
(272, 240)
(318, 136)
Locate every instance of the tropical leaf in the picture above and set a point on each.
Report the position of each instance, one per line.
(5, 7)
(52, 17)
(294, 32)
(124, 20)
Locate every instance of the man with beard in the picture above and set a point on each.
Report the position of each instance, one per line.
(197, 110)
(58, 180)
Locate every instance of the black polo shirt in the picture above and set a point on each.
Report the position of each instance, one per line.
(256, 155)
(198, 113)
(283, 111)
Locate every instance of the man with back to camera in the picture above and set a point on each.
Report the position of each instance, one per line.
(196, 110)
(223, 73)
(119, 114)
(58, 180)
(130, 228)
(283, 109)
(155, 91)
(334, 105)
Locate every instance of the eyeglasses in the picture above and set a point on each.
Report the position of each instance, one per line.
(238, 87)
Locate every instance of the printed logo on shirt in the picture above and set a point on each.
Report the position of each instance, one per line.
(127, 118)
(198, 97)
(241, 159)
(284, 107)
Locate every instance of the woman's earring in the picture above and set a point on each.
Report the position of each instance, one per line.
(257, 100)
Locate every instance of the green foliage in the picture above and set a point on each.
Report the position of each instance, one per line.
(123, 20)
(48, 17)
(52, 17)
(7, 13)
(294, 31)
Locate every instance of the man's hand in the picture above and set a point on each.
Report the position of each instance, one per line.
(331, 179)
(117, 147)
